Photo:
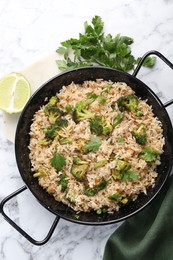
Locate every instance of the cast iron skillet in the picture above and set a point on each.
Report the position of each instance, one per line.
(22, 141)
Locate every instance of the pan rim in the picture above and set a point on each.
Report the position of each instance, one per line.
(42, 88)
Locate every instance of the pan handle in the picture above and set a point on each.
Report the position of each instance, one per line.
(162, 57)
(19, 229)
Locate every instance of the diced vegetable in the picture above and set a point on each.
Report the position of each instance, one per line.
(118, 120)
(99, 125)
(79, 168)
(115, 196)
(52, 101)
(52, 132)
(100, 164)
(81, 112)
(66, 140)
(129, 103)
(140, 134)
(68, 108)
(40, 173)
(101, 211)
(53, 113)
(122, 171)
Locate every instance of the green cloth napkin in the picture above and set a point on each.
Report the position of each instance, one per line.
(148, 234)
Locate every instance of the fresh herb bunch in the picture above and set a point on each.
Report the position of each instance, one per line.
(94, 47)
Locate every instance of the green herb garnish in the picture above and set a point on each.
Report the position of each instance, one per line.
(93, 191)
(148, 62)
(58, 161)
(94, 47)
(63, 181)
(93, 145)
(101, 211)
(149, 154)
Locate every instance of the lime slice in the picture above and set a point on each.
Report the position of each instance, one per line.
(14, 92)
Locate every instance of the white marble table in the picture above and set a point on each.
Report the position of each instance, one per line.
(30, 30)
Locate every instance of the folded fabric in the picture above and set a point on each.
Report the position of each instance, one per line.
(148, 234)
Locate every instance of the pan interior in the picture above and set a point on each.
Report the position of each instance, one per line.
(49, 89)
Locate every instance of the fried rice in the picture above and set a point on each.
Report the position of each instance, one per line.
(114, 172)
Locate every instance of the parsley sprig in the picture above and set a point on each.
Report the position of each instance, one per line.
(94, 47)
(58, 161)
(93, 145)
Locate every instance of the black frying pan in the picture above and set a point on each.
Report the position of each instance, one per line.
(22, 140)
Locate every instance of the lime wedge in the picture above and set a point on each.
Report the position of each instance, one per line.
(14, 92)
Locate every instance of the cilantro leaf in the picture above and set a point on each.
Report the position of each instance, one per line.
(94, 47)
(93, 191)
(130, 175)
(58, 161)
(149, 62)
(63, 181)
(149, 154)
(98, 24)
(62, 65)
(93, 145)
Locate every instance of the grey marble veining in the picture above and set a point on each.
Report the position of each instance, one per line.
(32, 29)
